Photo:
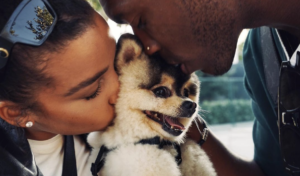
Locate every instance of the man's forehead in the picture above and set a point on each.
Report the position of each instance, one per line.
(118, 9)
(115, 3)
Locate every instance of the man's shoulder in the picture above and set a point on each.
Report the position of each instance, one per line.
(263, 41)
(262, 64)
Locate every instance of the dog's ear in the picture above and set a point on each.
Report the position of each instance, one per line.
(128, 48)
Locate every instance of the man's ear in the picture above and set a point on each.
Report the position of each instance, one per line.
(11, 113)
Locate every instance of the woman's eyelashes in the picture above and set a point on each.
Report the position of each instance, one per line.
(96, 93)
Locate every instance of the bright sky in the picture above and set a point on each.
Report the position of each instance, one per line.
(117, 30)
(242, 38)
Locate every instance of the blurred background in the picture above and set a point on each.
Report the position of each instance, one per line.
(225, 105)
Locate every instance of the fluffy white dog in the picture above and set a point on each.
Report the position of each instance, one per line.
(156, 105)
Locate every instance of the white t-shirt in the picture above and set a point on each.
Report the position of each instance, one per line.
(49, 156)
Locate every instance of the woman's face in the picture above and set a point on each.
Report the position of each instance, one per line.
(85, 86)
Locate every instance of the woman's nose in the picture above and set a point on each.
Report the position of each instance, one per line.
(151, 46)
(114, 96)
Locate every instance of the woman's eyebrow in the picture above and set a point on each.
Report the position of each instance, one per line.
(86, 82)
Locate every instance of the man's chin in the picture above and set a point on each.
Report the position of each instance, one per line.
(214, 71)
(188, 69)
(217, 71)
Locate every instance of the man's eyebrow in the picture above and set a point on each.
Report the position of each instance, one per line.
(86, 83)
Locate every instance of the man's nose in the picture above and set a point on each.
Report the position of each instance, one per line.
(151, 46)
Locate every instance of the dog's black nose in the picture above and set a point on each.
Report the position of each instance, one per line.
(188, 105)
(188, 108)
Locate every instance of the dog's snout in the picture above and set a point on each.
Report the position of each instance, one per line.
(188, 108)
(188, 105)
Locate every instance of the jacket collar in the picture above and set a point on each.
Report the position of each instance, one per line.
(16, 156)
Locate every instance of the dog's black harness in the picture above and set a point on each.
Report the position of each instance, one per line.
(98, 164)
(100, 160)
(161, 143)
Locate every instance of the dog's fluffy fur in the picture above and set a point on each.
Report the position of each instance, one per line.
(148, 86)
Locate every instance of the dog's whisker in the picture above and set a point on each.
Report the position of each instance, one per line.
(196, 123)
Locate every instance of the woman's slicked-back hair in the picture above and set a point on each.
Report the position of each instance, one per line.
(24, 75)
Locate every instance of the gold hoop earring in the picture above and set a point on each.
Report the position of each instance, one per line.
(5, 52)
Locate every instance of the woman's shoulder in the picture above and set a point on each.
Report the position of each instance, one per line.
(16, 157)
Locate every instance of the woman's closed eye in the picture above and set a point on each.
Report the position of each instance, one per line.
(96, 93)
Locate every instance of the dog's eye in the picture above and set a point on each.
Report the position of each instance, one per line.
(162, 92)
(186, 92)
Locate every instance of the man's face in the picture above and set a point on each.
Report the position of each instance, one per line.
(198, 35)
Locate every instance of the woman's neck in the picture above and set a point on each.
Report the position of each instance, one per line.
(38, 135)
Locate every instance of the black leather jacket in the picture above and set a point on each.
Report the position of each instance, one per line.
(16, 158)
